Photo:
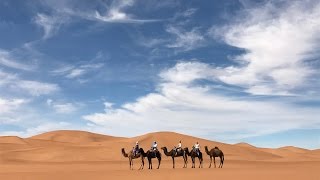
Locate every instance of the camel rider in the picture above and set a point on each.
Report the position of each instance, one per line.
(197, 148)
(154, 146)
(136, 149)
(179, 147)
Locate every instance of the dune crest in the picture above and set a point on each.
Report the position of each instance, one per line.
(72, 136)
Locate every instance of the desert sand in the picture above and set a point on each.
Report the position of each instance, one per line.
(62, 155)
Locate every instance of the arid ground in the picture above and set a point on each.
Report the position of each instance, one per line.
(65, 155)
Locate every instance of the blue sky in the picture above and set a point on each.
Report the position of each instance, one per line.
(230, 71)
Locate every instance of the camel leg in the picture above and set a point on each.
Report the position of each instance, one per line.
(131, 163)
(200, 163)
(214, 160)
(210, 161)
(221, 161)
(193, 164)
(142, 163)
(149, 161)
(186, 160)
(159, 162)
(172, 162)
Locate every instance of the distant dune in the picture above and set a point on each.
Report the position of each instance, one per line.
(73, 137)
(12, 140)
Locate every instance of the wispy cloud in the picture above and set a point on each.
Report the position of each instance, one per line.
(151, 42)
(116, 13)
(64, 13)
(280, 41)
(62, 108)
(50, 24)
(185, 40)
(73, 72)
(8, 105)
(36, 88)
(38, 129)
(7, 59)
(14, 83)
(183, 17)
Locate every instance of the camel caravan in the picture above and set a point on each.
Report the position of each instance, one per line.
(177, 151)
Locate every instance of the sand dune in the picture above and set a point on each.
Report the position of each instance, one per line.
(73, 137)
(79, 151)
(243, 144)
(12, 140)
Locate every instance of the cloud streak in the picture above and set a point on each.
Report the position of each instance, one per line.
(8, 105)
(116, 14)
(7, 59)
(72, 72)
(50, 24)
(185, 40)
(14, 83)
(63, 13)
(62, 108)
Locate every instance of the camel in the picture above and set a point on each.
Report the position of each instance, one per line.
(215, 152)
(173, 154)
(193, 155)
(153, 154)
(131, 156)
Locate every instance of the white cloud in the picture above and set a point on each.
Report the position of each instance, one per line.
(50, 24)
(108, 105)
(10, 109)
(41, 128)
(16, 84)
(73, 72)
(63, 12)
(189, 12)
(279, 41)
(187, 72)
(116, 14)
(9, 105)
(36, 88)
(62, 70)
(62, 108)
(49, 102)
(7, 59)
(185, 40)
(180, 104)
(150, 43)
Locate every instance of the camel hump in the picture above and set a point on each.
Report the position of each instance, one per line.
(216, 147)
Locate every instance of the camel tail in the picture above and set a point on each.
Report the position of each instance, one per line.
(124, 153)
